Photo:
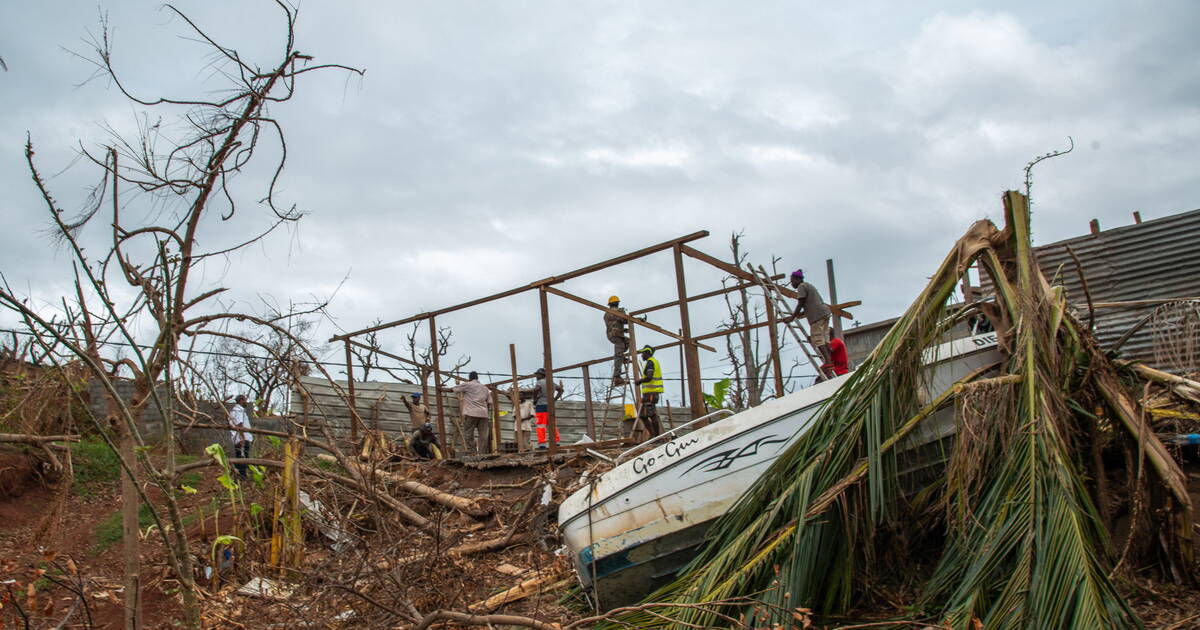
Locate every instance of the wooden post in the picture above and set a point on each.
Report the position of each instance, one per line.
(776, 364)
(350, 392)
(837, 321)
(637, 389)
(548, 365)
(1137, 217)
(495, 441)
(587, 404)
(691, 356)
(130, 532)
(518, 432)
(437, 386)
(683, 383)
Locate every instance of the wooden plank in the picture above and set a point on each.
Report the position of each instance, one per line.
(694, 298)
(626, 316)
(624, 258)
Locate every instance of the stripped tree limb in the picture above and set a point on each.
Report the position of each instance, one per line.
(453, 501)
(1185, 387)
(37, 440)
(492, 544)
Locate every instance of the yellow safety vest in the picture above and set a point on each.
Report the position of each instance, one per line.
(655, 384)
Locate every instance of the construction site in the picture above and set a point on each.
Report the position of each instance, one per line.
(342, 524)
(1017, 448)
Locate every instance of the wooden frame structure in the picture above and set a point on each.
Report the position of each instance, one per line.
(545, 287)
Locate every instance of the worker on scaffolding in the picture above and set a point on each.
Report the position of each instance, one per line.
(615, 330)
(540, 394)
(810, 304)
(652, 388)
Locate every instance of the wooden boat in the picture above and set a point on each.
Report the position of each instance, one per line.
(639, 523)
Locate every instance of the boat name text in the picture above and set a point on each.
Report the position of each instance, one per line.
(674, 448)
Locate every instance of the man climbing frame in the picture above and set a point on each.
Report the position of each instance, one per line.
(614, 329)
(652, 388)
(810, 304)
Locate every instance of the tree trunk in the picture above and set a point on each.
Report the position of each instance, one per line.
(131, 541)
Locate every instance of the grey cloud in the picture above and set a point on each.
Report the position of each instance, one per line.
(490, 145)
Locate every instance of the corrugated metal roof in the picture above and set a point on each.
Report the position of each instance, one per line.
(1152, 260)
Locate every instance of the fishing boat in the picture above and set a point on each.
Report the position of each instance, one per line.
(630, 530)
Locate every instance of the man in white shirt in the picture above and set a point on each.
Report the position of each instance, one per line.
(475, 401)
(239, 420)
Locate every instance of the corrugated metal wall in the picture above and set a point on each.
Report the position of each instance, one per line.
(1152, 260)
(380, 405)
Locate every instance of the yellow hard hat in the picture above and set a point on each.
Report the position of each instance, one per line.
(613, 299)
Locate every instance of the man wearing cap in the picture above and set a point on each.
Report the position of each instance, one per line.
(476, 398)
(238, 421)
(418, 413)
(423, 440)
(652, 388)
(810, 304)
(614, 329)
(539, 394)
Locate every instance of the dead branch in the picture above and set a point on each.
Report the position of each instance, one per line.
(494, 544)
(453, 501)
(484, 620)
(520, 591)
(405, 512)
(38, 440)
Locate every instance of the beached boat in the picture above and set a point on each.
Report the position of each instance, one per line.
(639, 523)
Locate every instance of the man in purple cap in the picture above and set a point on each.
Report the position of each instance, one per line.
(810, 304)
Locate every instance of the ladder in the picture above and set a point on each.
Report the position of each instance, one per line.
(771, 292)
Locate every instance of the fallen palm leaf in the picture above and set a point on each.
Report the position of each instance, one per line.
(1017, 538)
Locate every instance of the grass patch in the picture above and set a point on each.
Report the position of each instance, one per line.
(108, 532)
(190, 479)
(95, 464)
(327, 466)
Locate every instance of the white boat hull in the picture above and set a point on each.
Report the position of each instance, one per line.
(643, 520)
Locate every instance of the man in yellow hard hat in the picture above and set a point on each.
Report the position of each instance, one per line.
(615, 330)
(652, 389)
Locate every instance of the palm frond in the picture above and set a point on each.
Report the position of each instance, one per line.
(1023, 545)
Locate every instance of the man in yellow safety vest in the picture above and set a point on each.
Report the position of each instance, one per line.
(652, 389)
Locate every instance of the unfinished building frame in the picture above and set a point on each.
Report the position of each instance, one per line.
(691, 344)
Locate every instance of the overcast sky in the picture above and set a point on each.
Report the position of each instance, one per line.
(491, 144)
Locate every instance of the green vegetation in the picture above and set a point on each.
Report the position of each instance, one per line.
(95, 464)
(109, 531)
(189, 479)
(327, 466)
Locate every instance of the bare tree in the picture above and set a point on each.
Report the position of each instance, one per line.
(266, 378)
(749, 369)
(418, 366)
(184, 170)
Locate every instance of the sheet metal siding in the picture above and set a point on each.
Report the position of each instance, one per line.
(1155, 259)
(384, 401)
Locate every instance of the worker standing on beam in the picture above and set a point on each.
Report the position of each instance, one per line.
(652, 389)
(810, 304)
(615, 329)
